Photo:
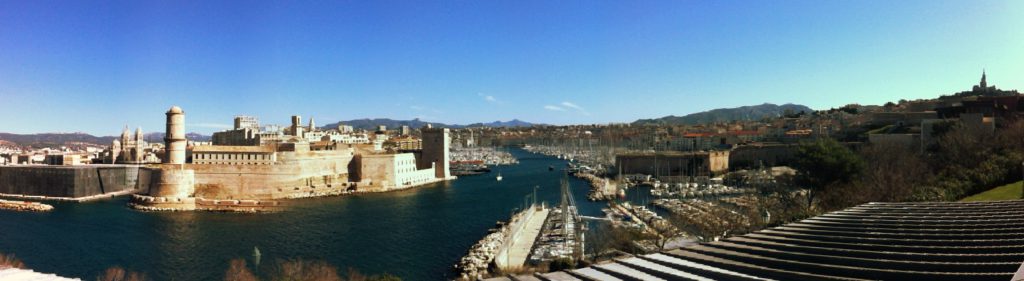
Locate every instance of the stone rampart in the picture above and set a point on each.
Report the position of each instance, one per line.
(294, 175)
(68, 182)
(171, 180)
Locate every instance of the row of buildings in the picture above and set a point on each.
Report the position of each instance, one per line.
(917, 124)
(713, 148)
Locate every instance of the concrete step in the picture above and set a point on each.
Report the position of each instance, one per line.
(844, 270)
(750, 269)
(887, 254)
(895, 228)
(894, 241)
(872, 262)
(665, 263)
(811, 241)
(906, 235)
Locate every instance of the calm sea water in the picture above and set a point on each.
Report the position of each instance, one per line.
(416, 234)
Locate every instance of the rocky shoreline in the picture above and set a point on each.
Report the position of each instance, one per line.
(24, 206)
(477, 262)
(598, 187)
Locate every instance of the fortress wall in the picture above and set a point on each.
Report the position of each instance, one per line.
(752, 156)
(67, 181)
(295, 172)
(377, 170)
(392, 171)
(172, 180)
(674, 164)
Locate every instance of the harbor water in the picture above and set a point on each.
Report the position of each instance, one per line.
(416, 234)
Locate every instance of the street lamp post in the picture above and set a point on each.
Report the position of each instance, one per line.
(535, 195)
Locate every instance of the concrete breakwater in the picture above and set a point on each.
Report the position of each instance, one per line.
(68, 199)
(189, 204)
(505, 248)
(24, 206)
(600, 188)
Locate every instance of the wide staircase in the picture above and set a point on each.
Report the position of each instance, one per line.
(873, 241)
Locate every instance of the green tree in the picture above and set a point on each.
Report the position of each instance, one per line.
(823, 163)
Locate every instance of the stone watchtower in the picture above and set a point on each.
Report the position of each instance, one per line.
(174, 139)
(297, 126)
(435, 151)
(171, 184)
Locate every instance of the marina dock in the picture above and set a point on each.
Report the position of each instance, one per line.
(562, 235)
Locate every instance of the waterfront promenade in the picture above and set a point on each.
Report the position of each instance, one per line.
(521, 245)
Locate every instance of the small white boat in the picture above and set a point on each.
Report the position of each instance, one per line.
(499, 177)
(256, 256)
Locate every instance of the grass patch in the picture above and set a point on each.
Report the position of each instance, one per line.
(1006, 192)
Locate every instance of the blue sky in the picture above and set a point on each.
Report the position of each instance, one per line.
(93, 67)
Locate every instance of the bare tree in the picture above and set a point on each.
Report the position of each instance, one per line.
(239, 271)
(894, 173)
(668, 230)
(1012, 135)
(298, 269)
(120, 274)
(609, 238)
(9, 261)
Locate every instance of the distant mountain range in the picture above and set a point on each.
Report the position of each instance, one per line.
(514, 123)
(371, 124)
(753, 112)
(60, 139)
(54, 139)
(159, 137)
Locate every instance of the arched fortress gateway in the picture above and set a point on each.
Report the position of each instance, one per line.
(252, 176)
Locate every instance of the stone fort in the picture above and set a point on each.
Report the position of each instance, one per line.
(295, 164)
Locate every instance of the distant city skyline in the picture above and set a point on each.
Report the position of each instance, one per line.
(79, 66)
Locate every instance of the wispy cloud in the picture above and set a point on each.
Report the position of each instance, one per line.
(211, 125)
(416, 107)
(576, 107)
(553, 108)
(489, 98)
